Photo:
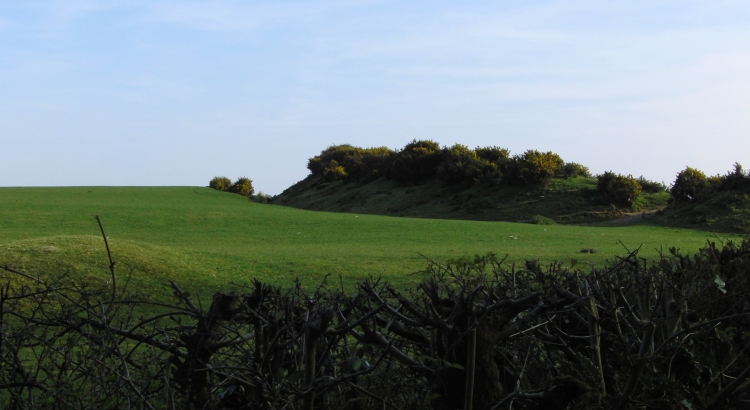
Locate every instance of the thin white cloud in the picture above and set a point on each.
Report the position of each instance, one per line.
(234, 15)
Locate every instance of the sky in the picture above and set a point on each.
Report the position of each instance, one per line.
(142, 93)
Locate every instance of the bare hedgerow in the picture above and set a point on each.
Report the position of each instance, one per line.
(475, 333)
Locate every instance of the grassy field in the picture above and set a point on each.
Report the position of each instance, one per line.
(205, 238)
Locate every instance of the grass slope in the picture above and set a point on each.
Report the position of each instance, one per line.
(565, 200)
(205, 238)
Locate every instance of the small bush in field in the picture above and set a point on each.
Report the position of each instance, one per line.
(261, 198)
(542, 220)
(574, 169)
(618, 189)
(690, 184)
(220, 183)
(243, 186)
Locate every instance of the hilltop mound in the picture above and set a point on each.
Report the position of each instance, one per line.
(719, 203)
(562, 200)
(425, 180)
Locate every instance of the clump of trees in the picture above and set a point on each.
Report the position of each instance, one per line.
(533, 167)
(242, 186)
(421, 160)
(476, 333)
(349, 163)
(221, 183)
(618, 189)
(574, 169)
(692, 185)
(463, 165)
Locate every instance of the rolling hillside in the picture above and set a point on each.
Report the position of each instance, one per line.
(205, 238)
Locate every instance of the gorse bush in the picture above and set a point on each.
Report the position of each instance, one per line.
(416, 162)
(348, 163)
(261, 198)
(462, 165)
(573, 169)
(533, 167)
(422, 160)
(735, 179)
(693, 185)
(334, 171)
(495, 155)
(651, 186)
(618, 189)
(220, 183)
(689, 185)
(243, 186)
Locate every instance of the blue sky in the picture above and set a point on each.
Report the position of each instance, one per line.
(176, 92)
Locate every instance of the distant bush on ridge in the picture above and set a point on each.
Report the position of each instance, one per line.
(691, 184)
(618, 189)
(242, 186)
(220, 183)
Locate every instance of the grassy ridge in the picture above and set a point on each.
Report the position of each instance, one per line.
(565, 200)
(208, 238)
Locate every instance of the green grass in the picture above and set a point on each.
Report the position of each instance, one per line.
(205, 238)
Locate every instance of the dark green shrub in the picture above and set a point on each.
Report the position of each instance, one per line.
(689, 185)
(349, 163)
(495, 155)
(338, 153)
(367, 164)
(500, 157)
(220, 183)
(651, 186)
(243, 186)
(417, 161)
(261, 198)
(533, 167)
(334, 172)
(542, 220)
(735, 179)
(618, 189)
(462, 165)
(574, 169)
